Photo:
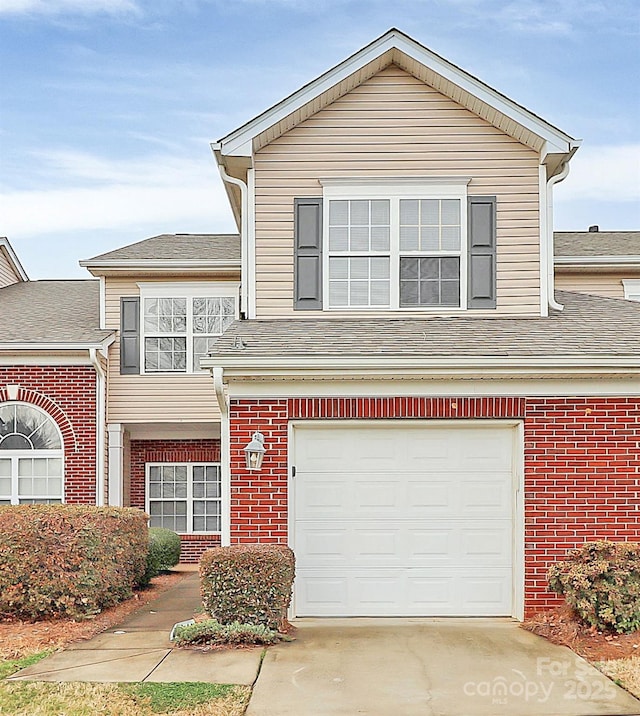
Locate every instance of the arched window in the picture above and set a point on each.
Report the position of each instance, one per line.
(31, 456)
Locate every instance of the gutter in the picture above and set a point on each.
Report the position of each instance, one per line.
(225, 452)
(100, 423)
(244, 240)
(556, 179)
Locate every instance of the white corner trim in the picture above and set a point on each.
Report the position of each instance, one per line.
(115, 432)
(225, 453)
(544, 241)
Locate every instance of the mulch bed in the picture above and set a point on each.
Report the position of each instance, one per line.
(21, 638)
(560, 626)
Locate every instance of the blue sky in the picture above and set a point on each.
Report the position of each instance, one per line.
(107, 107)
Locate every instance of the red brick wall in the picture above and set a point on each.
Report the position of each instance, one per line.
(144, 451)
(68, 395)
(582, 467)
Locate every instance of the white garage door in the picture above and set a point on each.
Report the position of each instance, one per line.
(403, 519)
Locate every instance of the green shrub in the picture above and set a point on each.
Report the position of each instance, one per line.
(212, 633)
(69, 560)
(164, 552)
(249, 583)
(601, 582)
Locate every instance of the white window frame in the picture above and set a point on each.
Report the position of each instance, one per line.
(189, 498)
(14, 456)
(395, 189)
(188, 291)
(631, 288)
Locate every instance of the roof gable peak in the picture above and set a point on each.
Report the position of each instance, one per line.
(396, 47)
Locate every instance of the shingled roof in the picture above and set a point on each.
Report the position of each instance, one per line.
(175, 247)
(588, 326)
(597, 243)
(51, 312)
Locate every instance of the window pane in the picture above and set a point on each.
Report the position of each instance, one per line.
(409, 238)
(338, 293)
(380, 238)
(338, 268)
(380, 210)
(409, 212)
(430, 281)
(359, 212)
(450, 212)
(338, 238)
(359, 238)
(430, 212)
(338, 213)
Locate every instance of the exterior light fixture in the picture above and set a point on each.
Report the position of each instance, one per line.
(254, 452)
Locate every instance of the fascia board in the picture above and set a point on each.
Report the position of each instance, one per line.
(444, 366)
(35, 346)
(160, 264)
(597, 260)
(239, 141)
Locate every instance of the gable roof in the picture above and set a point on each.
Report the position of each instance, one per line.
(594, 247)
(7, 251)
(395, 47)
(65, 313)
(588, 326)
(173, 251)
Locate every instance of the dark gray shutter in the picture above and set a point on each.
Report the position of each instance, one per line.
(129, 335)
(481, 219)
(307, 254)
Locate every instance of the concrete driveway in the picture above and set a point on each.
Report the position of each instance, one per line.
(448, 667)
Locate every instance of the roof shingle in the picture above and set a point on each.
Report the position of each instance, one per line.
(51, 312)
(167, 247)
(588, 326)
(597, 243)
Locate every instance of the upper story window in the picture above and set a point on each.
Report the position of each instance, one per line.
(179, 331)
(31, 456)
(179, 323)
(397, 246)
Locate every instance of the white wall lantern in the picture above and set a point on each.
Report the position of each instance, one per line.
(254, 452)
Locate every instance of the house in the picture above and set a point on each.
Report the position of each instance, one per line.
(53, 357)
(602, 263)
(378, 370)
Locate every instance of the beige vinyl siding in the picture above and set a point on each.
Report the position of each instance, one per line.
(7, 275)
(394, 124)
(598, 283)
(153, 398)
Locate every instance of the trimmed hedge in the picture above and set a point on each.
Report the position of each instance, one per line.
(248, 583)
(212, 633)
(601, 582)
(69, 560)
(164, 552)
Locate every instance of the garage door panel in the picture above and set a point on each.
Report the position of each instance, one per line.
(413, 592)
(409, 520)
(411, 543)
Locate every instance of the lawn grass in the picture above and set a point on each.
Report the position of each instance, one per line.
(625, 672)
(10, 666)
(32, 698)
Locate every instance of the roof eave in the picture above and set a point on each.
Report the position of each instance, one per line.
(240, 141)
(162, 265)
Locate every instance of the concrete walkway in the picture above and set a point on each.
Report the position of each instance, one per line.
(423, 667)
(139, 649)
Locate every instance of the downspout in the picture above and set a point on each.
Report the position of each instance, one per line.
(225, 453)
(100, 424)
(244, 286)
(556, 179)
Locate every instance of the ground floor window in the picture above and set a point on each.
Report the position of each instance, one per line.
(185, 497)
(31, 456)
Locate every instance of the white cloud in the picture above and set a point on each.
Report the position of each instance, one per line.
(64, 7)
(94, 193)
(603, 173)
